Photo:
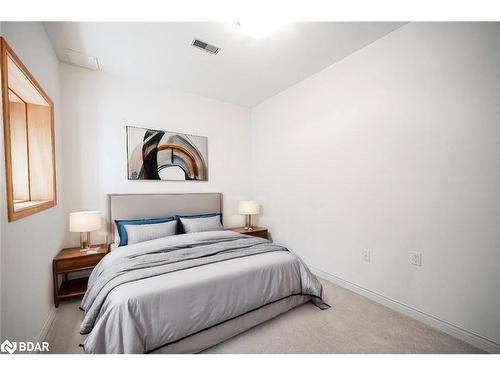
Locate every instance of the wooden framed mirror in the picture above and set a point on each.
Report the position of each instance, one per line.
(28, 120)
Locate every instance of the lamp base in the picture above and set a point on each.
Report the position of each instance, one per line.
(248, 223)
(84, 242)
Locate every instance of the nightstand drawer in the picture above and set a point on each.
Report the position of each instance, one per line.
(261, 234)
(256, 232)
(76, 264)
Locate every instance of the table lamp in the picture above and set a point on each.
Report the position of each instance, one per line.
(84, 222)
(249, 208)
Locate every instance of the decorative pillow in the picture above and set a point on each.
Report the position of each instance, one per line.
(146, 232)
(200, 223)
(120, 224)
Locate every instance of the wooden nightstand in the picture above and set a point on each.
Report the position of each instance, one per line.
(256, 232)
(72, 260)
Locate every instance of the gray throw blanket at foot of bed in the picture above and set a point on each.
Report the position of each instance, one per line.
(177, 253)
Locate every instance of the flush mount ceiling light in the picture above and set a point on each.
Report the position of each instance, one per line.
(258, 29)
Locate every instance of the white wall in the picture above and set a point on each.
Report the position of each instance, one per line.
(29, 244)
(396, 148)
(98, 107)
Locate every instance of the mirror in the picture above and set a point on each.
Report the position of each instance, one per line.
(28, 117)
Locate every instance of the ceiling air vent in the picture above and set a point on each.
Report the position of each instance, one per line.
(81, 60)
(205, 46)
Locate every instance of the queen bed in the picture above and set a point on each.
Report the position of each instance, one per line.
(184, 293)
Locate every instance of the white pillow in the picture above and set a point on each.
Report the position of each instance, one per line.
(146, 232)
(201, 224)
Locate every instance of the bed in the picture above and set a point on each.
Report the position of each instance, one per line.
(187, 292)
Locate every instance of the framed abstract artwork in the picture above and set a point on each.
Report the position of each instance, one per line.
(164, 155)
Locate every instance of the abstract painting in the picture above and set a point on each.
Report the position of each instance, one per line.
(164, 155)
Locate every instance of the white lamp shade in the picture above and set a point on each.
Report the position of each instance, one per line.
(249, 208)
(84, 221)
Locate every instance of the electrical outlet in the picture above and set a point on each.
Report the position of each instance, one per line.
(416, 258)
(366, 255)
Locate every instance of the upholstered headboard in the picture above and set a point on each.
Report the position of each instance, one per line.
(142, 206)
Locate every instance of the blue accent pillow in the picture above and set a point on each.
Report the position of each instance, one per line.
(180, 228)
(123, 232)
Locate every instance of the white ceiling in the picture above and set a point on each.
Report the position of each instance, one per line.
(247, 71)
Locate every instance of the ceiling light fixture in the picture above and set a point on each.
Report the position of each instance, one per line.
(258, 29)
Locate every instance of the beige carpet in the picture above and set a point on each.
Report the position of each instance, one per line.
(354, 324)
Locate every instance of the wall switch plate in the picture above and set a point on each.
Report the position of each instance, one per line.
(366, 255)
(416, 258)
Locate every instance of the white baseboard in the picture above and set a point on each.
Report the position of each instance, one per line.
(460, 333)
(42, 336)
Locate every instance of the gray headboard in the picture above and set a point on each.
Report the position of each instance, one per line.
(142, 206)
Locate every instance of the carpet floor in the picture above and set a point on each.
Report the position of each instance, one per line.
(354, 324)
